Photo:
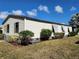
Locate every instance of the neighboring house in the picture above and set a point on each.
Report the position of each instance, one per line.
(14, 24)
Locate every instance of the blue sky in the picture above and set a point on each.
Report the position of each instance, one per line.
(52, 10)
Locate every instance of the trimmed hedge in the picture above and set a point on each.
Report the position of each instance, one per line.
(26, 33)
(45, 34)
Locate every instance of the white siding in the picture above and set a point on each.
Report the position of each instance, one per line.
(70, 28)
(36, 27)
(11, 22)
(65, 28)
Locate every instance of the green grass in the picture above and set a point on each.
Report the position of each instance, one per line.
(52, 49)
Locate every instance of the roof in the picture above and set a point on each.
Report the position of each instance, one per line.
(29, 18)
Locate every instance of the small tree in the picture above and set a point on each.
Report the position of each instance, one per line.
(74, 22)
(45, 34)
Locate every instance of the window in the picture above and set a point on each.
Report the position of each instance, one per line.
(16, 27)
(68, 30)
(62, 29)
(7, 28)
(53, 29)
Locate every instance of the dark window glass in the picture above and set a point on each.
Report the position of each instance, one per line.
(8, 28)
(16, 30)
(62, 29)
(53, 29)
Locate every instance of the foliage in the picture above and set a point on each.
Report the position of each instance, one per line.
(74, 22)
(26, 37)
(26, 33)
(72, 33)
(59, 35)
(45, 33)
(12, 38)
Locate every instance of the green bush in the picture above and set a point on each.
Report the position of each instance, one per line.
(59, 35)
(72, 33)
(26, 33)
(26, 37)
(12, 38)
(45, 34)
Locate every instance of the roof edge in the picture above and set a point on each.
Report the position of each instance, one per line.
(29, 18)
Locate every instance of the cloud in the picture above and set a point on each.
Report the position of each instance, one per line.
(4, 14)
(43, 8)
(58, 9)
(73, 8)
(33, 12)
(17, 12)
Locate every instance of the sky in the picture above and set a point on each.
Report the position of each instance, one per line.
(59, 11)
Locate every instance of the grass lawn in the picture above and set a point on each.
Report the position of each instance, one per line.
(52, 49)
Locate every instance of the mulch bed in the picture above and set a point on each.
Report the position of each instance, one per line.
(77, 42)
(15, 44)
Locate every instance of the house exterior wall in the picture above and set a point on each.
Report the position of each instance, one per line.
(70, 28)
(57, 28)
(36, 27)
(11, 22)
(65, 28)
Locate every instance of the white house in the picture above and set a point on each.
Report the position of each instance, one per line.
(14, 24)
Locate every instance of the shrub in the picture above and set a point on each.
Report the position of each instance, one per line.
(26, 33)
(59, 35)
(72, 33)
(45, 34)
(26, 37)
(12, 38)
